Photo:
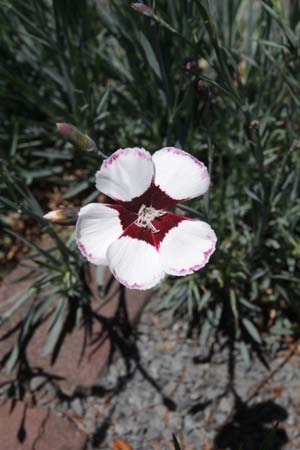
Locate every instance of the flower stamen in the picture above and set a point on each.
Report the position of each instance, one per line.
(146, 215)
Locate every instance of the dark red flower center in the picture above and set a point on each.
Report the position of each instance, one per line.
(154, 197)
(144, 217)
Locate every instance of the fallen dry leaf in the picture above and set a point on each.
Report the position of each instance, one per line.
(119, 444)
(206, 445)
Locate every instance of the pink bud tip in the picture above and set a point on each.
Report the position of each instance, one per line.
(143, 9)
(189, 64)
(64, 129)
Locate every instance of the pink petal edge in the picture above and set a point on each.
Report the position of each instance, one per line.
(84, 251)
(187, 271)
(141, 152)
(177, 151)
(134, 285)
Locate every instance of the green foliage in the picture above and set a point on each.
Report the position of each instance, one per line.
(121, 77)
(57, 294)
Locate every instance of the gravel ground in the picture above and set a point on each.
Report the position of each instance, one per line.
(164, 386)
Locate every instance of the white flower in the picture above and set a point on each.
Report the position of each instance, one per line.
(137, 238)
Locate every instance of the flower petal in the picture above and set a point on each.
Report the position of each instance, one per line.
(187, 247)
(180, 175)
(134, 260)
(126, 174)
(97, 227)
(163, 225)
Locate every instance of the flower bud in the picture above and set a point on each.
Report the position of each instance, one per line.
(201, 89)
(189, 64)
(64, 216)
(254, 124)
(71, 134)
(143, 9)
(203, 64)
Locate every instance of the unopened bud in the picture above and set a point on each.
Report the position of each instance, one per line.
(203, 64)
(64, 216)
(202, 91)
(71, 134)
(143, 9)
(296, 144)
(189, 64)
(254, 124)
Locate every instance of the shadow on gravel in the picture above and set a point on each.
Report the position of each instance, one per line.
(123, 339)
(122, 336)
(249, 426)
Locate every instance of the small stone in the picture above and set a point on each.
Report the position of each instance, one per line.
(225, 405)
(184, 404)
(120, 429)
(37, 382)
(175, 422)
(152, 433)
(194, 395)
(176, 327)
(77, 407)
(189, 423)
(154, 368)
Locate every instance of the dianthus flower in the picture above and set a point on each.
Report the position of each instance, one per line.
(138, 238)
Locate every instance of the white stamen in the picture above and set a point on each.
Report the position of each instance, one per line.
(146, 215)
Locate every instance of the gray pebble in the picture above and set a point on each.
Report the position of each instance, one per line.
(225, 405)
(37, 382)
(77, 407)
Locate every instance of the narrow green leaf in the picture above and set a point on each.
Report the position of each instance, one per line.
(252, 330)
(56, 328)
(150, 55)
(13, 358)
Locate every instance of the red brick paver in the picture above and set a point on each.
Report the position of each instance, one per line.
(69, 366)
(42, 430)
(37, 429)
